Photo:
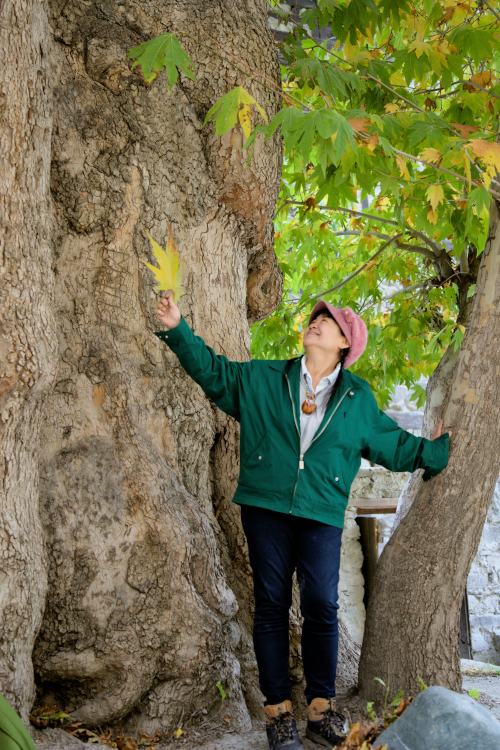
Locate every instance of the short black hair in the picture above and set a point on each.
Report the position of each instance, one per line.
(324, 311)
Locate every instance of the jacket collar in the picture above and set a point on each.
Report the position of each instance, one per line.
(292, 368)
(304, 372)
(287, 365)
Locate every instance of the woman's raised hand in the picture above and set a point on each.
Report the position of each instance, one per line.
(167, 311)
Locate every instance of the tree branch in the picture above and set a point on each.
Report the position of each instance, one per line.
(351, 275)
(438, 250)
(403, 245)
(345, 210)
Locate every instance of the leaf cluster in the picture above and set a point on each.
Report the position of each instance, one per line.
(389, 128)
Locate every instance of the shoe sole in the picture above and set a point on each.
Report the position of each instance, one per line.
(319, 740)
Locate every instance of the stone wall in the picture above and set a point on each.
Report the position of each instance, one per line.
(483, 588)
(351, 583)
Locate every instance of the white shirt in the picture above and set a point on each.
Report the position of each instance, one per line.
(309, 423)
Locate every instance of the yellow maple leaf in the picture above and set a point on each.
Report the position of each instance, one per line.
(371, 142)
(382, 201)
(443, 46)
(435, 195)
(420, 47)
(479, 81)
(487, 151)
(455, 12)
(403, 169)
(355, 53)
(168, 273)
(397, 78)
(432, 216)
(430, 155)
(368, 240)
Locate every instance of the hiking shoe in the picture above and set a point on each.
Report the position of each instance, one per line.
(325, 725)
(281, 728)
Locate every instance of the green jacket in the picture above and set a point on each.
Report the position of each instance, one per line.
(263, 395)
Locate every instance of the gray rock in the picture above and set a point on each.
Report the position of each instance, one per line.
(58, 739)
(440, 719)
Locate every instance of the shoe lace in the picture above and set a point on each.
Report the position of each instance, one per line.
(333, 721)
(285, 725)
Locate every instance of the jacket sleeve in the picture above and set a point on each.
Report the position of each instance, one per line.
(219, 377)
(388, 444)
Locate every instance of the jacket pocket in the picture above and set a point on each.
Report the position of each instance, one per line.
(259, 455)
(337, 478)
(256, 463)
(338, 472)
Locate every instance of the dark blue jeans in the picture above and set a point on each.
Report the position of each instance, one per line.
(278, 544)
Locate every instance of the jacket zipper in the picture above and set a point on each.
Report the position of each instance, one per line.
(318, 434)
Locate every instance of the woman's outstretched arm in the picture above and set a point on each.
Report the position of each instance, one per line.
(218, 376)
(388, 444)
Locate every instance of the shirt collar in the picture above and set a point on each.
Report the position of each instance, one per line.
(332, 377)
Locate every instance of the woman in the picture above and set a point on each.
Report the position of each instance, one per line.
(305, 424)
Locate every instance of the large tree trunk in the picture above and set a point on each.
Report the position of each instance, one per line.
(142, 577)
(141, 620)
(413, 615)
(27, 333)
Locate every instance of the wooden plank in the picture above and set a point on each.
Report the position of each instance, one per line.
(366, 506)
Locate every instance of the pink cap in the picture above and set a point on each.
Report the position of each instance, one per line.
(351, 325)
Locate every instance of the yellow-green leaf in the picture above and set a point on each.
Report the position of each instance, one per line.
(234, 106)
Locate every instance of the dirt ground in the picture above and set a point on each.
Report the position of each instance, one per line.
(488, 686)
(209, 738)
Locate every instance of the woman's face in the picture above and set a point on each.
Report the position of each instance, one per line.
(324, 333)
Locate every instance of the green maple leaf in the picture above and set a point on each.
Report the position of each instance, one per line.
(164, 52)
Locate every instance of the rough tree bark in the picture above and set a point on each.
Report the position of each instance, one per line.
(141, 621)
(412, 620)
(28, 351)
(138, 564)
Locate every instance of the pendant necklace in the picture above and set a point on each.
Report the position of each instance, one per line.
(309, 404)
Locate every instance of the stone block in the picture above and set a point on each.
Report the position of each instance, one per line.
(480, 643)
(440, 719)
(490, 539)
(484, 605)
(477, 581)
(488, 622)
